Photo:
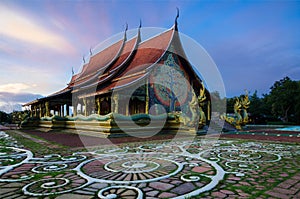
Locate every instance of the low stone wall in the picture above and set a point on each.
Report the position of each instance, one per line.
(107, 125)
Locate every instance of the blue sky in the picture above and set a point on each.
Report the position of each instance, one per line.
(253, 43)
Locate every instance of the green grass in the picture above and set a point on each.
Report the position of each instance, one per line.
(36, 147)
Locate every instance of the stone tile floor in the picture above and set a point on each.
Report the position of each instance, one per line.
(203, 168)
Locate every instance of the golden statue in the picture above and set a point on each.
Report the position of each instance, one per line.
(245, 103)
(194, 108)
(195, 105)
(201, 99)
(240, 112)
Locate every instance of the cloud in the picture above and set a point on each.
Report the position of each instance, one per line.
(14, 87)
(12, 101)
(11, 98)
(17, 25)
(10, 107)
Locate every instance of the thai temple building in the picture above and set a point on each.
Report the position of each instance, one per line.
(130, 79)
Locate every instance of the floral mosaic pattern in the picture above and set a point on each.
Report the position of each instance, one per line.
(165, 170)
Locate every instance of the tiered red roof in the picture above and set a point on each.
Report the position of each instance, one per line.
(120, 64)
(131, 65)
(149, 52)
(101, 60)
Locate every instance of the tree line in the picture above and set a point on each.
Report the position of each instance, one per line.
(280, 106)
(15, 117)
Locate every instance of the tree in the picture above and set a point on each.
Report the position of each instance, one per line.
(297, 105)
(4, 117)
(282, 103)
(283, 98)
(255, 109)
(230, 103)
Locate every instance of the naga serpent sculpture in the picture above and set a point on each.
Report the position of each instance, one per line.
(196, 109)
(201, 99)
(240, 117)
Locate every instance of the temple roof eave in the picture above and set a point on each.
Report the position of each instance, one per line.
(87, 78)
(49, 97)
(117, 85)
(83, 78)
(108, 75)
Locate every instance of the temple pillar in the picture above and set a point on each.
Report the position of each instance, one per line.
(88, 107)
(115, 103)
(47, 109)
(85, 106)
(35, 111)
(41, 111)
(31, 111)
(112, 102)
(127, 108)
(75, 108)
(81, 108)
(147, 99)
(98, 105)
(67, 110)
(63, 110)
(59, 111)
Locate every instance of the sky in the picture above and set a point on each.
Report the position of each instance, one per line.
(253, 43)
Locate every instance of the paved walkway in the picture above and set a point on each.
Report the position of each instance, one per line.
(2, 128)
(77, 139)
(289, 188)
(40, 141)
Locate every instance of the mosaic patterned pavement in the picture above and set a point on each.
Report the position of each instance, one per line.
(199, 169)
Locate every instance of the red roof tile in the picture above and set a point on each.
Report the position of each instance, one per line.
(149, 52)
(128, 48)
(60, 92)
(100, 60)
(108, 74)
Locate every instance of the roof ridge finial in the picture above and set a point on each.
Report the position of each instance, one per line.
(125, 32)
(83, 59)
(177, 16)
(139, 32)
(91, 53)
